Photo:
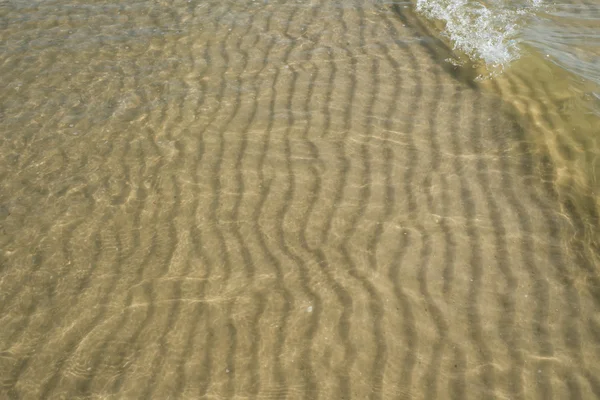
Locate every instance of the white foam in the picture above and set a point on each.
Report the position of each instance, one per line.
(485, 32)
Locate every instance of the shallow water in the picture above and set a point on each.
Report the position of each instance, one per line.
(289, 199)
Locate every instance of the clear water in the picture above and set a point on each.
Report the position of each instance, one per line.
(569, 36)
(544, 57)
(298, 199)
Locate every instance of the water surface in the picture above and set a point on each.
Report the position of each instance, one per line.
(289, 200)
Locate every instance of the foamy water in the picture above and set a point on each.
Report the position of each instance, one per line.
(487, 32)
(495, 34)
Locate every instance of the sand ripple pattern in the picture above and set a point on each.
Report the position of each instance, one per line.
(273, 200)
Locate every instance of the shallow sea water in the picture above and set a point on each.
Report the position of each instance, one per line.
(293, 200)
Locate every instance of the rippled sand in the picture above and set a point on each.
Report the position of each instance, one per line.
(286, 200)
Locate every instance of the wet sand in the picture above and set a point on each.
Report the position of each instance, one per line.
(286, 200)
